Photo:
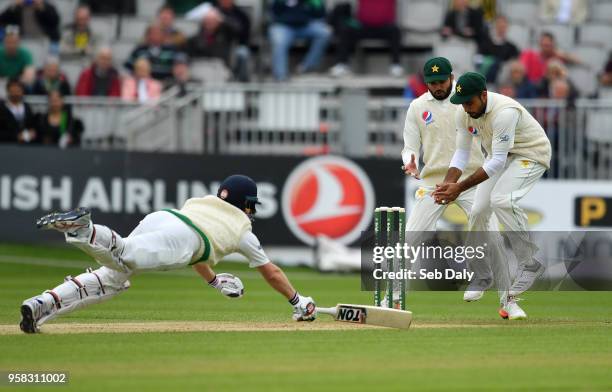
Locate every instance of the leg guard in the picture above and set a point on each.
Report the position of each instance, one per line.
(88, 288)
(104, 245)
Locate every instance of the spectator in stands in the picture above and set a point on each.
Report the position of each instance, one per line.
(78, 38)
(57, 126)
(14, 58)
(560, 89)
(17, 120)
(181, 75)
(521, 85)
(101, 78)
(160, 56)
(573, 12)
(374, 19)
(35, 18)
(235, 16)
(114, 7)
(463, 21)
(171, 35)
(556, 71)
(295, 19)
(536, 61)
(507, 89)
(496, 49)
(141, 87)
(181, 7)
(489, 8)
(606, 75)
(50, 78)
(215, 38)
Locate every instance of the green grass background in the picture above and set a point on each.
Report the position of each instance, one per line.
(566, 345)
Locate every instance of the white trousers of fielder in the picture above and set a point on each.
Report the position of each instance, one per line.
(500, 195)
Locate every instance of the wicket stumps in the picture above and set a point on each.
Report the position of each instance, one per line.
(389, 229)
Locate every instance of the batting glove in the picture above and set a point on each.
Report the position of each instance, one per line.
(229, 285)
(304, 308)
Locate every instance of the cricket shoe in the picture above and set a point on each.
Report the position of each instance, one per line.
(69, 222)
(511, 310)
(32, 310)
(384, 303)
(476, 289)
(525, 278)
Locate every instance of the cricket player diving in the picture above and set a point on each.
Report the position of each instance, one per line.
(518, 154)
(430, 127)
(200, 234)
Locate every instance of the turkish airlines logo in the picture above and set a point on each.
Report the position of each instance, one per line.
(328, 195)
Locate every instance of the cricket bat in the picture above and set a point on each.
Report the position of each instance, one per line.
(370, 315)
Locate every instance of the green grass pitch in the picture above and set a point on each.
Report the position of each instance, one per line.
(566, 345)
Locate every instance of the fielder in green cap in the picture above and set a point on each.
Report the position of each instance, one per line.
(429, 136)
(518, 153)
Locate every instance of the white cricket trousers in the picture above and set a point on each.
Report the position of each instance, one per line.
(424, 217)
(500, 195)
(160, 242)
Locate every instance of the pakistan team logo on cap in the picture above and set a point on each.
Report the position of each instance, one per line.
(458, 88)
(435, 68)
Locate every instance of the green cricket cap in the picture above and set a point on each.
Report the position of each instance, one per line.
(468, 85)
(437, 69)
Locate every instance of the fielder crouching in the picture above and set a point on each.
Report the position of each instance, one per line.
(200, 234)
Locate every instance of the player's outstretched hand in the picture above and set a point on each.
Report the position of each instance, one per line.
(411, 168)
(229, 285)
(304, 309)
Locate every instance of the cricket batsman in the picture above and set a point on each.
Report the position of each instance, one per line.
(518, 154)
(200, 234)
(430, 127)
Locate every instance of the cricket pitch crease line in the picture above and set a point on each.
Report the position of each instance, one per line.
(234, 326)
(192, 326)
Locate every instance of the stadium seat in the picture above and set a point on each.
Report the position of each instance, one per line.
(421, 15)
(584, 79)
(598, 122)
(121, 51)
(565, 35)
(105, 27)
(210, 71)
(604, 93)
(187, 27)
(148, 8)
(526, 12)
(520, 35)
(65, 9)
(460, 51)
(593, 57)
(39, 49)
(72, 69)
(133, 29)
(288, 110)
(601, 11)
(594, 33)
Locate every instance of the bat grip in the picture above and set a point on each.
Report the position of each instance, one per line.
(331, 311)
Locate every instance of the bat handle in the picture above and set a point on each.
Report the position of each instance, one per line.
(331, 311)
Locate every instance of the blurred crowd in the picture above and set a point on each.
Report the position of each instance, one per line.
(163, 58)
